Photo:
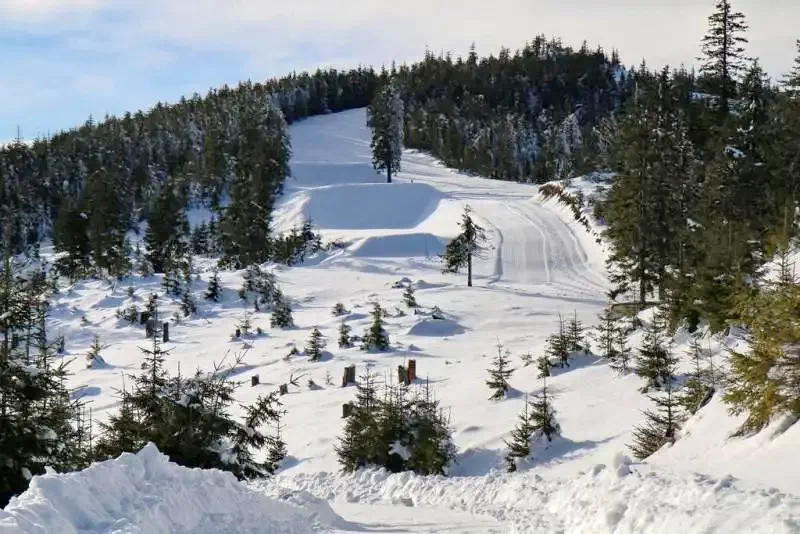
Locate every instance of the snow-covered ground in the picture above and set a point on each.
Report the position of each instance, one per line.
(541, 263)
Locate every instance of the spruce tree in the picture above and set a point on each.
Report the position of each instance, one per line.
(431, 449)
(575, 333)
(94, 358)
(375, 338)
(214, 291)
(607, 335)
(359, 444)
(164, 228)
(792, 80)
(723, 51)
(385, 117)
(558, 344)
(655, 363)
(188, 305)
(408, 297)
(543, 415)
(470, 243)
(339, 310)
(660, 427)
(281, 313)
(519, 446)
(622, 361)
(276, 450)
(499, 373)
(315, 345)
(344, 336)
(697, 391)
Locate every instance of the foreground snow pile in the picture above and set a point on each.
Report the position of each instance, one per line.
(619, 498)
(145, 493)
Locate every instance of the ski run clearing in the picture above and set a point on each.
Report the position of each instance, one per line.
(541, 263)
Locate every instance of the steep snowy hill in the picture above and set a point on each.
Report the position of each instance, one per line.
(541, 263)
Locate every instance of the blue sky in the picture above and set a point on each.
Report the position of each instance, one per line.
(63, 60)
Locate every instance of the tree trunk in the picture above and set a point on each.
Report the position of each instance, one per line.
(389, 167)
(469, 270)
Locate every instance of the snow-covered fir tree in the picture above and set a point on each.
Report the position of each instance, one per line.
(499, 373)
(214, 290)
(315, 345)
(469, 244)
(281, 313)
(408, 296)
(385, 116)
(558, 344)
(575, 333)
(375, 337)
(339, 310)
(660, 427)
(519, 444)
(345, 341)
(94, 357)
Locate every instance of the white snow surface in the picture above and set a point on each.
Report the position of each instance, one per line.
(541, 263)
(144, 493)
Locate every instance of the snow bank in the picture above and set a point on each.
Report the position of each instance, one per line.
(436, 328)
(145, 493)
(619, 498)
(371, 206)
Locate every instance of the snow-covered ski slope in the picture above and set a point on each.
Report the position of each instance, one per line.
(541, 263)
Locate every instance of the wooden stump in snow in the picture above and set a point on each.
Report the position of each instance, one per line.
(402, 375)
(144, 317)
(149, 328)
(412, 370)
(165, 327)
(347, 409)
(284, 389)
(254, 380)
(349, 375)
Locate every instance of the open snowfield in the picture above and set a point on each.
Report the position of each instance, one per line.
(541, 263)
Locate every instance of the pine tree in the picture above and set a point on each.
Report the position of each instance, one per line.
(359, 443)
(385, 117)
(188, 305)
(558, 344)
(375, 338)
(164, 228)
(661, 426)
(622, 361)
(543, 414)
(468, 244)
(697, 391)
(655, 363)
(723, 51)
(607, 335)
(276, 451)
(344, 336)
(792, 80)
(214, 291)
(94, 358)
(499, 373)
(408, 297)
(339, 310)
(315, 345)
(281, 313)
(575, 333)
(431, 449)
(519, 446)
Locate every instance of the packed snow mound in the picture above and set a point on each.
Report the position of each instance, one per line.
(371, 206)
(436, 328)
(145, 493)
(618, 498)
(399, 246)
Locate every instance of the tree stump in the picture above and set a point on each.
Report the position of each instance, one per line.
(284, 389)
(412, 370)
(347, 409)
(254, 380)
(149, 328)
(349, 375)
(402, 375)
(144, 317)
(165, 327)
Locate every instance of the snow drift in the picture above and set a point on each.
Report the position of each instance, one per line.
(145, 493)
(617, 498)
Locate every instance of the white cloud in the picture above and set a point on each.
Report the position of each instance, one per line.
(39, 10)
